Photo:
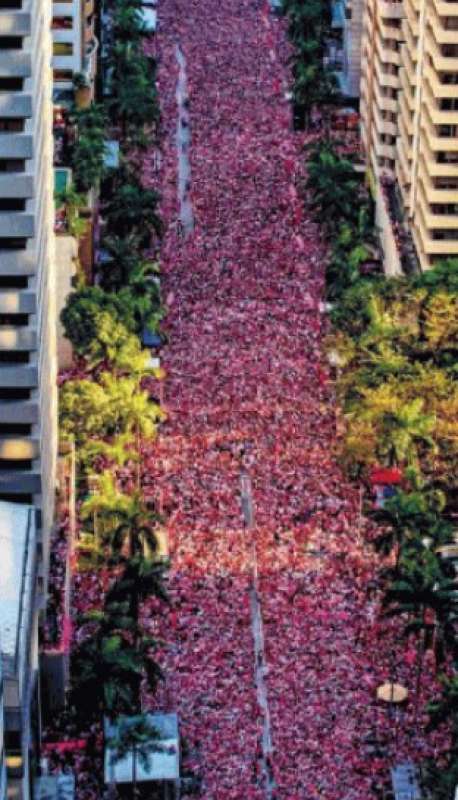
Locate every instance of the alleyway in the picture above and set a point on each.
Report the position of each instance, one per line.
(274, 652)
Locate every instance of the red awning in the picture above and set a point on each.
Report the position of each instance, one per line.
(385, 475)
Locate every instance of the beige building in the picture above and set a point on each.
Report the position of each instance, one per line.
(409, 126)
(427, 147)
(28, 397)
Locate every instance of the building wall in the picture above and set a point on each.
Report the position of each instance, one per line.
(28, 398)
(380, 82)
(353, 29)
(74, 42)
(409, 114)
(427, 169)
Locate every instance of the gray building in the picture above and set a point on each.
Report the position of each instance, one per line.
(28, 400)
(347, 18)
(18, 646)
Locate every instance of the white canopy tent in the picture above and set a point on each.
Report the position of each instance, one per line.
(164, 759)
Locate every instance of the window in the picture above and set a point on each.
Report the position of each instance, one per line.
(11, 124)
(11, 84)
(63, 75)
(10, 42)
(12, 204)
(62, 23)
(62, 49)
(13, 243)
(12, 165)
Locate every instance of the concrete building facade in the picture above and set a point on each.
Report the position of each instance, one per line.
(74, 42)
(409, 124)
(28, 395)
(347, 16)
(427, 146)
(19, 647)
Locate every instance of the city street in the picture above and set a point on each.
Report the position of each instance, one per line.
(275, 644)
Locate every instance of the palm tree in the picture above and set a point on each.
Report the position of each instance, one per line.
(125, 255)
(422, 584)
(73, 202)
(107, 674)
(334, 186)
(411, 514)
(128, 25)
(133, 210)
(134, 102)
(404, 429)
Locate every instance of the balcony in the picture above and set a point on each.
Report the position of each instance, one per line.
(19, 411)
(446, 9)
(19, 186)
(386, 79)
(21, 376)
(18, 449)
(15, 23)
(439, 89)
(383, 102)
(19, 262)
(17, 301)
(442, 63)
(16, 145)
(436, 221)
(15, 105)
(384, 125)
(16, 224)
(435, 194)
(17, 339)
(15, 64)
(390, 10)
(384, 150)
(447, 144)
(20, 482)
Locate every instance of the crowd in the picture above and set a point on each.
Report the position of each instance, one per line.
(53, 626)
(248, 392)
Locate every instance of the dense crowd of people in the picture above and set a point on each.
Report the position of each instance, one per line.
(248, 392)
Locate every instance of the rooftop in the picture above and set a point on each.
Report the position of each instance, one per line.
(17, 549)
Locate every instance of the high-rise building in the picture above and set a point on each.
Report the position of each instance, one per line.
(409, 126)
(74, 45)
(28, 397)
(427, 147)
(18, 649)
(347, 17)
(381, 43)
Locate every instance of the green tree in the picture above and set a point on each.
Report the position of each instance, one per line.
(88, 157)
(110, 407)
(334, 187)
(133, 210)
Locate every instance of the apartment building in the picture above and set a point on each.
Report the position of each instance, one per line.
(3, 789)
(18, 649)
(409, 127)
(427, 146)
(347, 17)
(28, 401)
(74, 45)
